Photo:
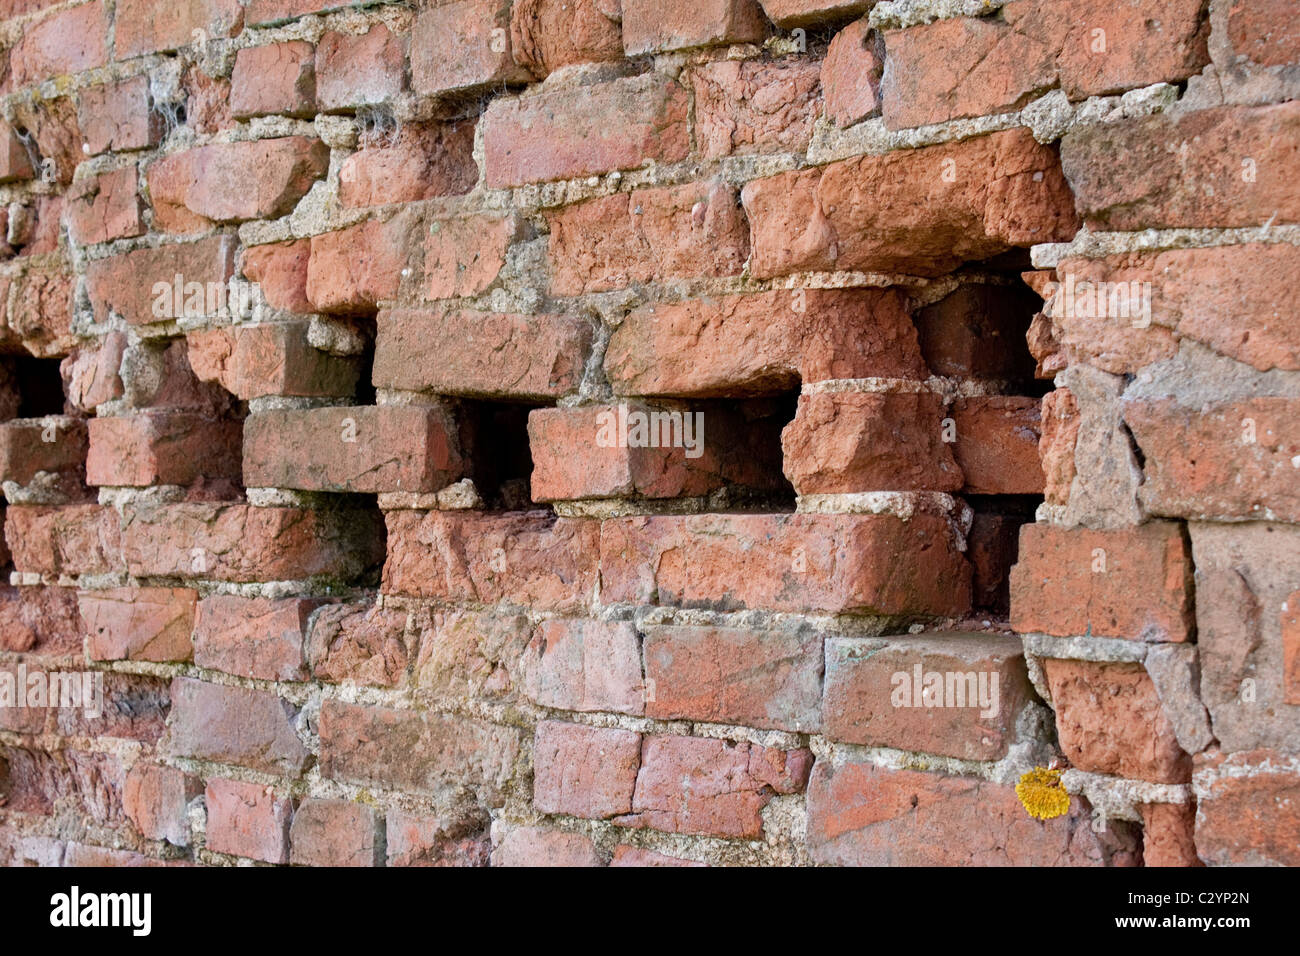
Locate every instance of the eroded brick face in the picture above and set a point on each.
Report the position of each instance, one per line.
(597, 433)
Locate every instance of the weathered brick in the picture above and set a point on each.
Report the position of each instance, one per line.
(262, 638)
(625, 855)
(1131, 583)
(919, 211)
(464, 256)
(142, 27)
(235, 725)
(130, 284)
(480, 354)
(352, 270)
(1109, 720)
(753, 106)
(157, 798)
(769, 678)
(420, 162)
(359, 70)
(276, 78)
(76, 539)
(161, 448)
(40, 621)
(585, 665)
(335, 833)
(711, 787)
(584, 771)
(1231, 169)
(538, 846)
(40, 313)
(792, 13)
(248, 820)
(650, 27)
(996, 444)
(280, 271)
(69, 41)
(1060, 424)
(118, 116)
(763, 343)
(29, 446)
(1265, 32)
(647, 235)
(803, 562)
(1246, 814)
(863, 815)
(956, 695)
(415, 840)
(364, 644)
(463, 45)
(252, 361)
(15, 163)
(467, 654)
(104, 207)
(1168, 835)
(850, 74)
(527, 558)
(546, 35)
(237, 542)
(138, 624)
(568, 133)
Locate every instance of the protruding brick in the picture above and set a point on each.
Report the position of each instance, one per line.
(77, 539)
(128, 284)
(252, 361)
(261, 638)
(353, 449)
(480, 354)
(161, 448)
(546, 35)
(142, 27)
(234, 725)
(956, 695)
(769, 678)
(850, 74)
(138, 624)
(647, 235)
(1133, 583)
(792, 13)
(248, 820)
(463, 45)
(568, 133)
(335, 833)
(276, 78)
(280, 271)
(352, 270)
(650, 27)
(156, 799)
(584, 771)
(359, 70)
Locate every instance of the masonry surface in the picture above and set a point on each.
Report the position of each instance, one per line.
(551, 432)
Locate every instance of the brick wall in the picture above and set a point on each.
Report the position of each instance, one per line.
(336, 340)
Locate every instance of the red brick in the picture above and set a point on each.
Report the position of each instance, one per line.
(880, 692)
(77, 539)
(237, 542)
(353, 449)
(165, 380)
(359, 70)
(280, 270)
(233, 182)
(415, 840)
(138, 624)
(1228, 298)
(792, 13)
(711, 787)
(565, 134)
(584, 771)
(1060, 423)
(365, 644)
(142, 27)
(585, 666)
(537, 846)
(625, 855)
(104, 207)
(997, 444)
(69, 41)
(352, 270)
(29, 446)
(118, 116)
(40, 621)
(248, 820)
(763, 343)
(469, 654)
(335, 833)
(650, 27)
(755, 106)
(546, 35)
(1244, 463)
(261, 638)
(1168, 835)
(647, 235)
(966, 333)
(806, 562)
(464, 256)
(52, 125)
(156, 799)
(207, 101)
(1247, 813)
(274, 11)
(529, 558)
(80, 855)
(481, 354)
(863, 815)
(416, 751)
(40, 312)
(161, 448)
(850, 74)
(252, 361)
(277, 78)
(15, 163)
(127, 284)
(1291, 649)
(1123, 178)
(628, 451)
(1109, 720)
(1133, 583)
(234, 725)
(869, 441)
(421, 162)
(1265, 32)
(919, 211)
(768, 678)
(463, 45)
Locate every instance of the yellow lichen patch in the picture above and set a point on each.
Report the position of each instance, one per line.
(1042, 795)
